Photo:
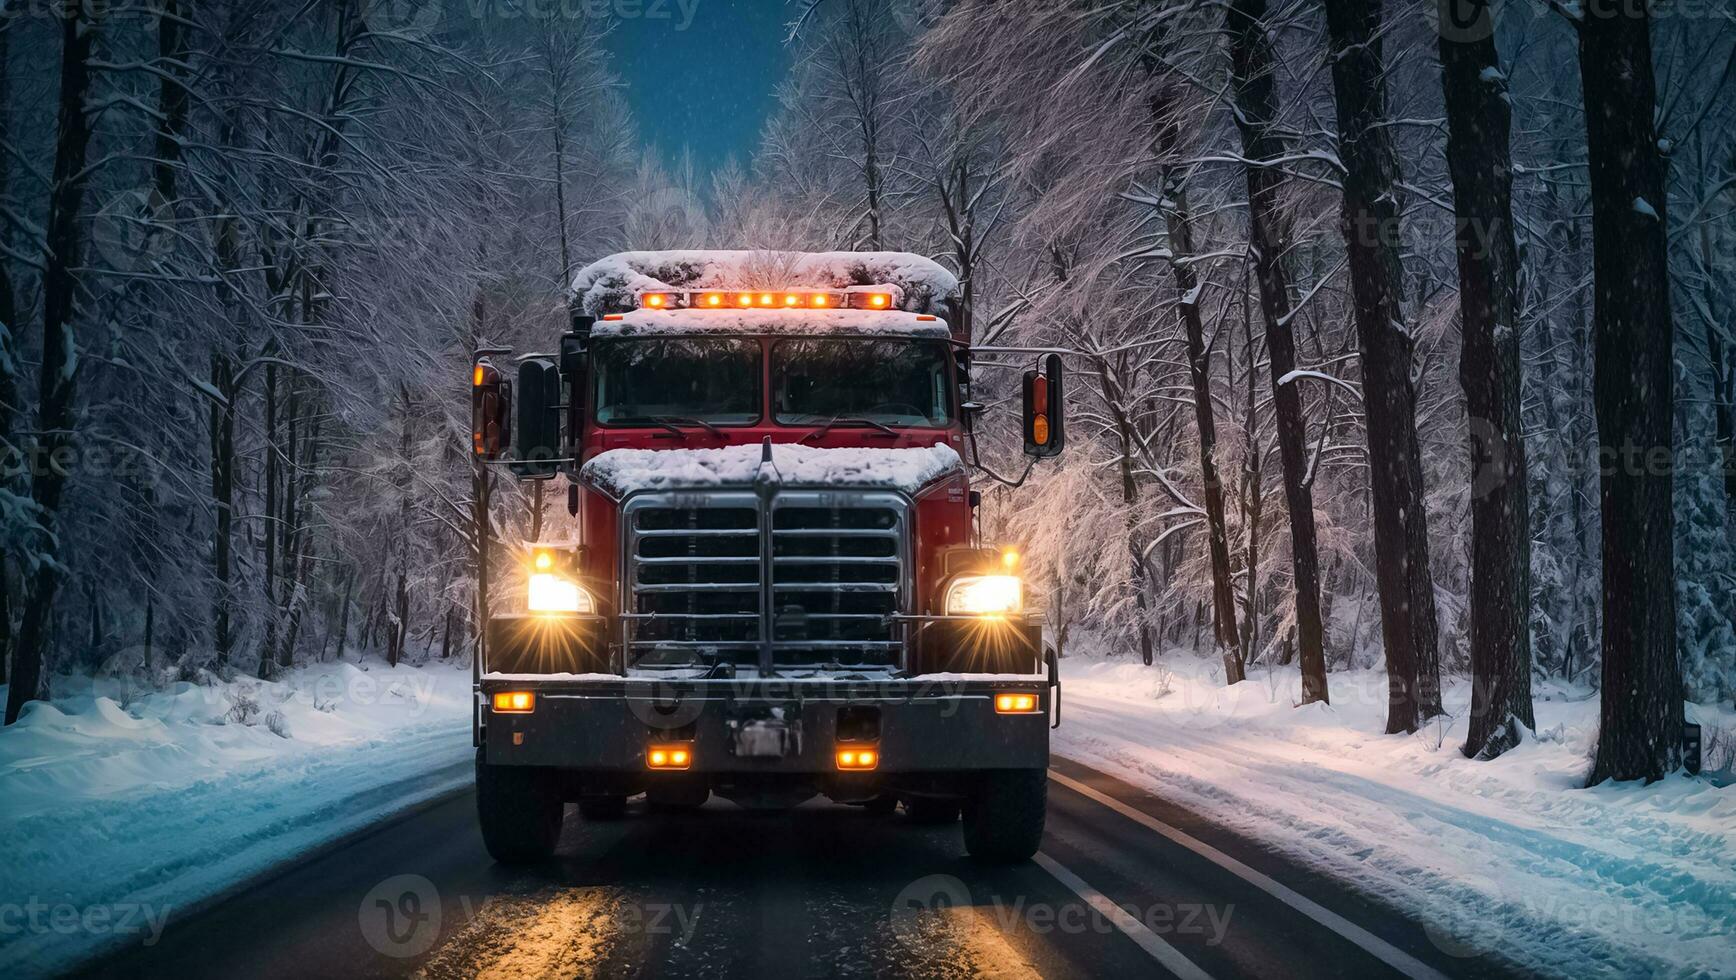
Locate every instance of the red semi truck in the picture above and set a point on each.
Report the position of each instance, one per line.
(777, 588)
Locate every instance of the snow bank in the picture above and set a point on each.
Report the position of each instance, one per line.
(130, 810)
(651, 323)
(624, 471)
(1510, 857)
(611, 283)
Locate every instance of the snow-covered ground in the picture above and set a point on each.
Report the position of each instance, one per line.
(119, 811)
(1511, 856)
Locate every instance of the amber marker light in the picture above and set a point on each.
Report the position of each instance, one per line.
(819, 299)
(859, 760)
(745, 299)
(878, 300)
(654, 300)
(1015, 704)
(668, 757)
(514, 702)
(477, 376)
(766, 299)
(713, 299)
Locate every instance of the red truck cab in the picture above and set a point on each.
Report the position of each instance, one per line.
(774, 589)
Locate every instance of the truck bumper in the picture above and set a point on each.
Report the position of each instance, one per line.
(916, 725)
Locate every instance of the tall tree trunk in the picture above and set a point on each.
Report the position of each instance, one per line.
(1255, 90)
(1167, 118)
(1641, 733)
(344, 612)
(62, 254)
(172, 97)
(268, 651)
(222, 421)
(1253, 497)
(1372, 239)
(9, 328)
(1129, 497)
(1723, 357)
(1479, 119)
(1212, 484)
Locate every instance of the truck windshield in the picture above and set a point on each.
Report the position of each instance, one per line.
(644, 380)
(889, 382)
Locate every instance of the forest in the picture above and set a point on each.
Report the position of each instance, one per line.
(1398, 333)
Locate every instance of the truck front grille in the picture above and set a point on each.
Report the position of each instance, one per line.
(695, 578)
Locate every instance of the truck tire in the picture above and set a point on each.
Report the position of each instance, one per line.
(928, 810)
(600, 808)
(519, 810)
(1004, 815)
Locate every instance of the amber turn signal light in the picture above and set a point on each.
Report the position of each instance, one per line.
(515, 702)
(1015, 704)
(858, 759)
(668, 757)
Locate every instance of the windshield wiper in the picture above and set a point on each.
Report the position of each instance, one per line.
(848, 420)
(676, 420)
(671, 422)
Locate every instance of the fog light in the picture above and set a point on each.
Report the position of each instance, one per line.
(515, 702)
(668, 757)
(858, 759)
(1016, 704)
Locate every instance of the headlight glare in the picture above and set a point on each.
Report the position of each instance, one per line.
(985, 595)
(553, 594)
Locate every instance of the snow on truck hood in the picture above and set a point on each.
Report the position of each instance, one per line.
(625, 471)
(652, 323)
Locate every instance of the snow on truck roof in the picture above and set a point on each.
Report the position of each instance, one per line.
(651, 323)
(624, 471)
(613, 283)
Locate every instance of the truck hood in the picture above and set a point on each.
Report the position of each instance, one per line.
(620, 472)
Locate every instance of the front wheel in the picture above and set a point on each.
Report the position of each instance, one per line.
(1004, 815)
(519, 809)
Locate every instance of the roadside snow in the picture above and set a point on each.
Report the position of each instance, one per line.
(1510, 857)
(624, 471)
(119, 818)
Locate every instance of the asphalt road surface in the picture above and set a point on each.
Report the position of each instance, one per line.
(1125, 885)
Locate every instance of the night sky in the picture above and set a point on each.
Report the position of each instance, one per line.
(707, 87)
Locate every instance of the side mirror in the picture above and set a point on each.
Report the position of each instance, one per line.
(1045, 424)
(539, 419)
(490, 405)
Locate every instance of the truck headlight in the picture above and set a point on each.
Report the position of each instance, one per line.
(984, 595)
(551, 593)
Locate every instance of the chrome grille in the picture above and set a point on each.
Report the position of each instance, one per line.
(838, 573)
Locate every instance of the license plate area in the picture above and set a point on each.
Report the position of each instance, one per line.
(765, 733)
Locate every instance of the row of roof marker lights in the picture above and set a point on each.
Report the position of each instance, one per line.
(761, 301)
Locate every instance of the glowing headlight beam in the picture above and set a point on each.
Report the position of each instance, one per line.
(552, 594)
(985, 595)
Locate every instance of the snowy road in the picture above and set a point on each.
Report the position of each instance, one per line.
(1125, 886)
